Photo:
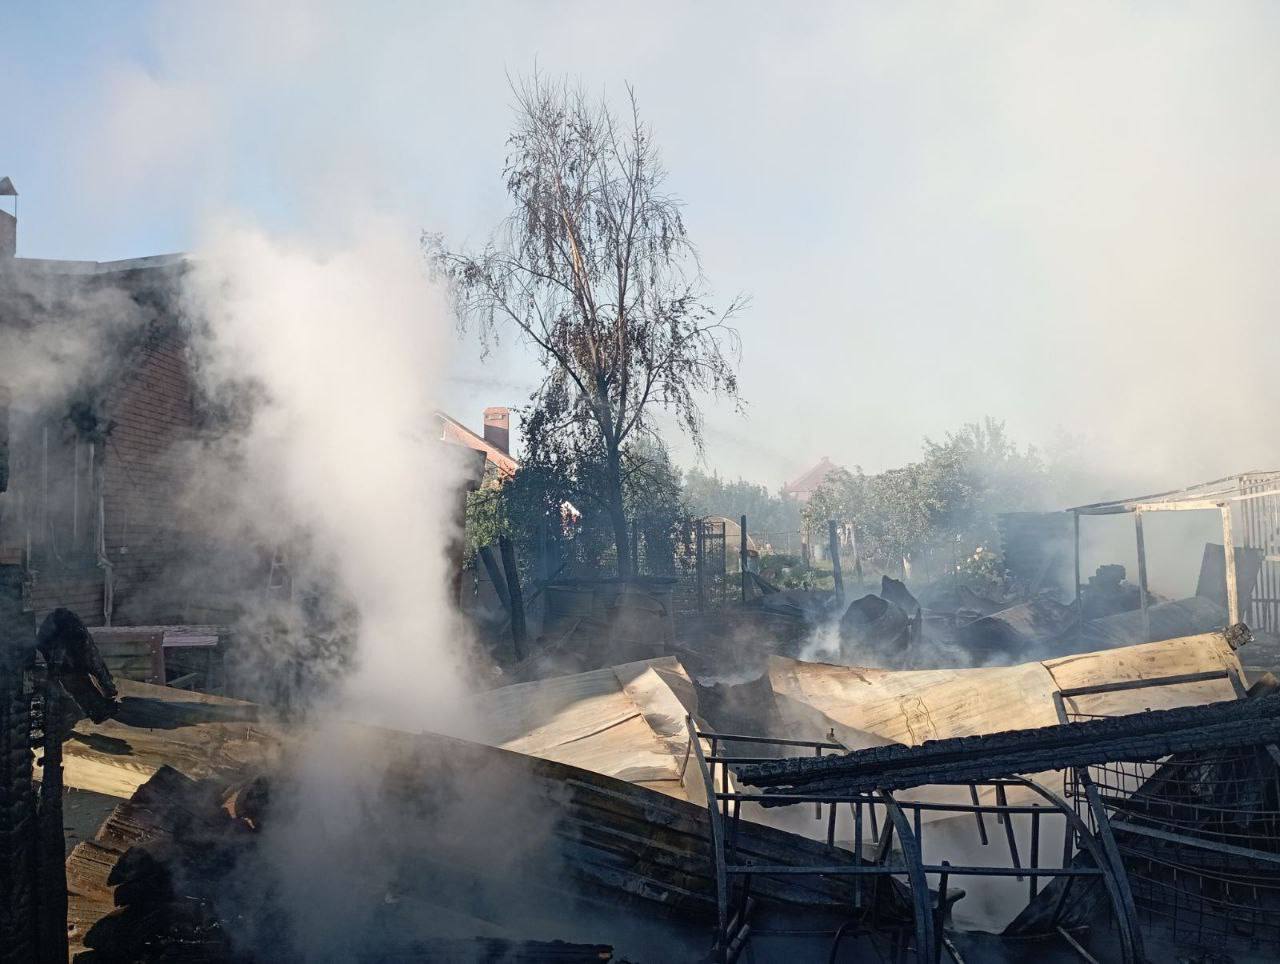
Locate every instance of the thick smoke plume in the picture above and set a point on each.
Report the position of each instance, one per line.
(322, 362)
(326, 360)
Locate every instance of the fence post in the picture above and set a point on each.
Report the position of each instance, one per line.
(742, 555)
(700, 559)
(835, 558)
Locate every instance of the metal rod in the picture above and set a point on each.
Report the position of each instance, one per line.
(1198, 842)
(982, 827)
(1079, 603)
(1138, 684)
(717, 837)
(1075, 946)
(817, 814)
(857, 850)
(1035, 848)
(742, 549)
(772, 741)
(1142, 576)
(1002, 800)
(939, 911)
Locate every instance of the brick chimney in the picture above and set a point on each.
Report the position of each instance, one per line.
(497, 427)
(8, 222)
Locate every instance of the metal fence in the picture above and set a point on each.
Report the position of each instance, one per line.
(1261, 518)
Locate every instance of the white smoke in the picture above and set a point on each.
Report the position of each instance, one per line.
(330, 355)
(345, 345)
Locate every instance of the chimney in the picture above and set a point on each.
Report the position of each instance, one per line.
(497, 427)
(8, 222)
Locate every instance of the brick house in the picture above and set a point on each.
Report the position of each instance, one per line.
(88, 482)
(495, 444)
(802, 489)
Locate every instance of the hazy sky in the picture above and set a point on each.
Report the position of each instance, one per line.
(1062, 215)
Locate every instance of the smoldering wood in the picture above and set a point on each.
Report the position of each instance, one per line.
(1167, 620)
(72, 658)
(896, 592)
(1017, 630)
(872, 625)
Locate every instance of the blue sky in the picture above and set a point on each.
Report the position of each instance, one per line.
(1063, 216)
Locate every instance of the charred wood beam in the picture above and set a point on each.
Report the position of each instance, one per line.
(17, 801)
(1139, 736)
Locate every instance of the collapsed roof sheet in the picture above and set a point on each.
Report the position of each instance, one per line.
(868, 707)
(623, 721)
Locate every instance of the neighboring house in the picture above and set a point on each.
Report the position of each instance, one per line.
(803, 488)
(88, 501)
(495, 443)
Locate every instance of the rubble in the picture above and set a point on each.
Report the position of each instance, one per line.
(1017, 631)
(874, 626)
(167, 857)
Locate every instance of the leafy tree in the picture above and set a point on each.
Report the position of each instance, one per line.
(767, 514)
(533, 510)
(595, 270)
(946, 503)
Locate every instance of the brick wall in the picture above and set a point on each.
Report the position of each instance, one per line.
(152, 406)
(153, 410)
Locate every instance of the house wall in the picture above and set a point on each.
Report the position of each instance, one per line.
(153, 409)
(143, 479)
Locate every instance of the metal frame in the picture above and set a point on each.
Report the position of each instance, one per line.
(1220, 494)
(1098, 809)
(732, 910)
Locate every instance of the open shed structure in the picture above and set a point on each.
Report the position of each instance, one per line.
(1249, 504)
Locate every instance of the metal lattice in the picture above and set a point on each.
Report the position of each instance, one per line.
(1198, 835)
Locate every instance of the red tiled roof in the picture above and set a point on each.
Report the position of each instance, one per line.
(811, 479)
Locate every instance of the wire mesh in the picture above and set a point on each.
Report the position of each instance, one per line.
(1199, 836)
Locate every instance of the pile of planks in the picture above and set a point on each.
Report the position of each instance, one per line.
(633, 856)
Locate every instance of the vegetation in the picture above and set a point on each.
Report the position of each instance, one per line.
(772, 516)
(595, 270)
(941, 510)
(538, 511)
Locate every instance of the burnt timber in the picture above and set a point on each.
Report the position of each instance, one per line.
(1134, 737)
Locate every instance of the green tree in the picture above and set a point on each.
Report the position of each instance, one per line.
(594, 268)
(945, 504)
(708, 494)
